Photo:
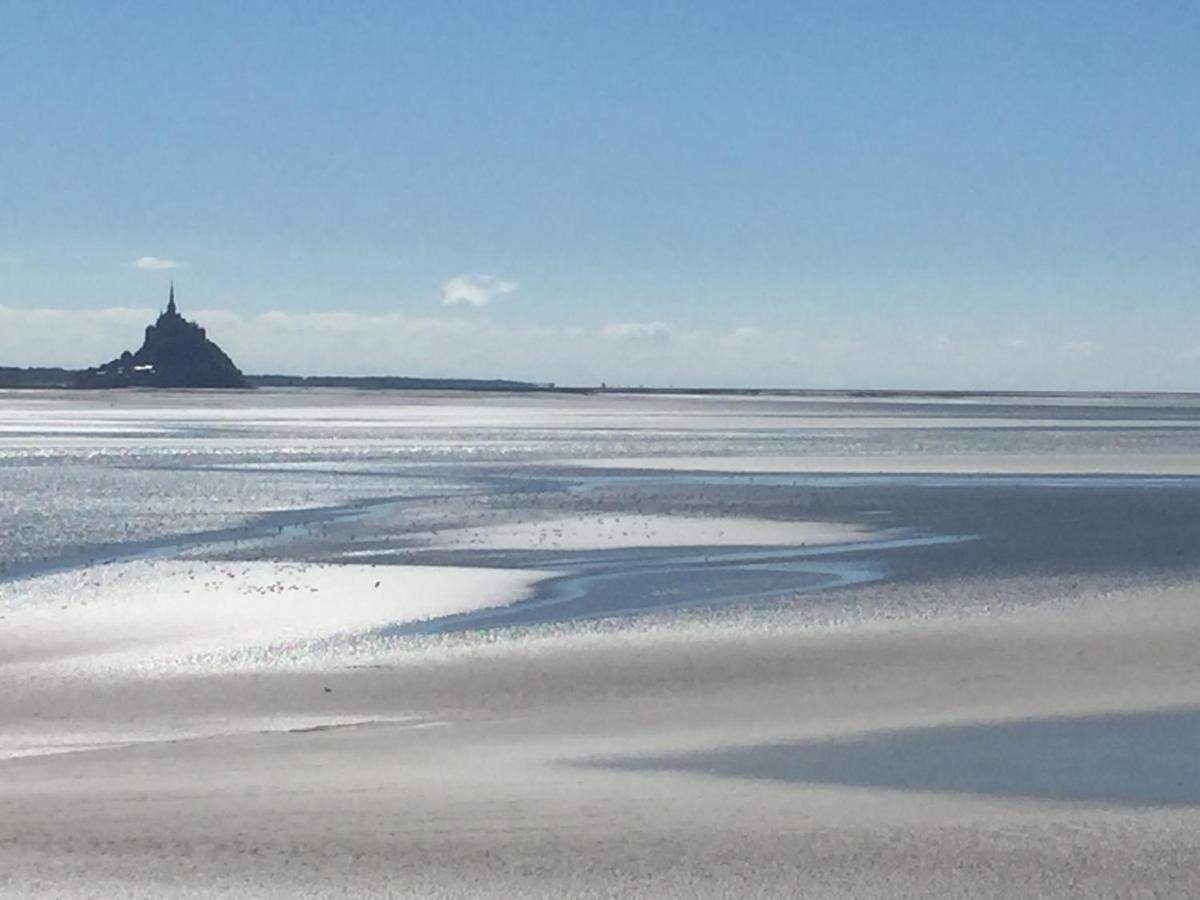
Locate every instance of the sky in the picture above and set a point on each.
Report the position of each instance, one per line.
(791, 194)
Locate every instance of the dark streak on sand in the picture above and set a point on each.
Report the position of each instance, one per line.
(1129, 759)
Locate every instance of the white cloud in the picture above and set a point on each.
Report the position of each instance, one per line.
(1078, 348)
(61, 337)
(638, 332)
(744, 334)
(320, 343)
(475, 290)
(155, 264)
(345, 342)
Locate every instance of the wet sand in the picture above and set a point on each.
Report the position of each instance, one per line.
(1049, 754)
(990, 691)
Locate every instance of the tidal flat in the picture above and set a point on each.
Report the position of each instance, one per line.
(344, 643)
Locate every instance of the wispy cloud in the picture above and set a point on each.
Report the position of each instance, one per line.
(42, 336)
(1078, 348)
(155, 264)
(475, 290)
(638, 332)
(744, 334)
(349, 342)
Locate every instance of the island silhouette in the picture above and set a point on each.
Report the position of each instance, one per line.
(176, 353)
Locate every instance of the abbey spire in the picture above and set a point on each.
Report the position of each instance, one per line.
(171, 301)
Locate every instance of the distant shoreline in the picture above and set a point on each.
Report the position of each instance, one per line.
(53, 378)
(69, 379)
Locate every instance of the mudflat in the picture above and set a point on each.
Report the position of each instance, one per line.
(323, 643)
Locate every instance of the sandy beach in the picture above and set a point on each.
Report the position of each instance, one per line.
(314, 644)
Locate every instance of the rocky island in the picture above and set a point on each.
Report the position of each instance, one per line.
(176, 354)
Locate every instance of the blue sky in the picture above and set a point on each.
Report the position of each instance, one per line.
(897, 195)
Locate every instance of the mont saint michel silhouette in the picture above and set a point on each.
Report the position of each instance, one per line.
(176, 353)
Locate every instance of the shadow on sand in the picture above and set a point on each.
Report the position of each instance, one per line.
(1128, 759)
